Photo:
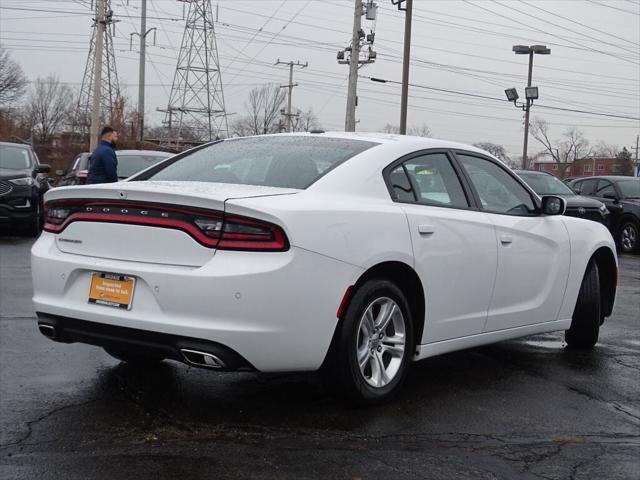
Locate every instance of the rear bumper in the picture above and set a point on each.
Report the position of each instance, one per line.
(276, 310)
(70, 330)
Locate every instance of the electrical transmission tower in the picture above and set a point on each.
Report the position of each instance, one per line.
(196, 105)
(109, 90)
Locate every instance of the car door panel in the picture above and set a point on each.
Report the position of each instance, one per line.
(533, 250)
(455, 256)
(454, 246)
(533, 267)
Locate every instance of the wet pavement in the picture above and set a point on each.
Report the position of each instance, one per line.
(525, 409)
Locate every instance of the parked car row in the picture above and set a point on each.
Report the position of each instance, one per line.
(24, 180)
(621, 195)
(129, 163)
(611, 200)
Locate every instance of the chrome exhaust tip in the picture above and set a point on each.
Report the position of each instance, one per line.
(202, 359)
(48, 331)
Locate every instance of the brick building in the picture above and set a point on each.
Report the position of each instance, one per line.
(584, 167)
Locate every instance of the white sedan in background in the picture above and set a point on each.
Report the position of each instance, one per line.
(352, 254)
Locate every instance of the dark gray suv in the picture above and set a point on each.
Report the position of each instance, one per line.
(23, 181)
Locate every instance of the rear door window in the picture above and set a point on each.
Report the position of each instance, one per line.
(586, 187)
(605, 187)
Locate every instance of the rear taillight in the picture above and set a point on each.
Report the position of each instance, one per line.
(82, 174)
(211, 228)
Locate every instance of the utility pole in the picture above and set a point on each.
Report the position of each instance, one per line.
(290, 86)
(352, 91)
(141, 78)
(525, 143)
(97, 75)
(354, 61)
(637, 172)
(109, 88)
(406, 59)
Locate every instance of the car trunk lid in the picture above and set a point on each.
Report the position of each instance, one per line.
(156, 222)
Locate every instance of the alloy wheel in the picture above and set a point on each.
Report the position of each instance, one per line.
(629, 237)
(381, 342)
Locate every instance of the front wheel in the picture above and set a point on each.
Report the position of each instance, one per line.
(585, 323)
(370, 354)
(629, 238)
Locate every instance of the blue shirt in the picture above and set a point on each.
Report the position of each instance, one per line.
(103, 164)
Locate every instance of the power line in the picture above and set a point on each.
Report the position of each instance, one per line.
(579, 23)
(468, 94)
(545, 32)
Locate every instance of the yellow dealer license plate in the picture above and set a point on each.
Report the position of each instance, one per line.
(112, 290)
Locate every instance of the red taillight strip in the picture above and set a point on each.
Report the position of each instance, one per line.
(152, 222)
(275, 241)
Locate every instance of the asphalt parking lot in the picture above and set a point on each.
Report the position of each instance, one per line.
(525, 409)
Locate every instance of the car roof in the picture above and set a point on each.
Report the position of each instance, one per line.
(535, 172)
(13, 144)
(609, 177)
(410, 141)
(143, 152)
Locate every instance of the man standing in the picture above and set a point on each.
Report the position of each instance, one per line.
(103, 164)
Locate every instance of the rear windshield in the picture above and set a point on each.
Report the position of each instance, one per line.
(287, 162)
(132, 164)
(14, 158)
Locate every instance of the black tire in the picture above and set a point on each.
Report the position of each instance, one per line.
(629, 237)
(33, 227)
(341, 371)
(585, 323)
(133, 358)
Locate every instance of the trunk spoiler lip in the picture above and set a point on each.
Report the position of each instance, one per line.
(279, 242)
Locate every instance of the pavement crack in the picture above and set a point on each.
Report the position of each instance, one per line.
(615, 405)
(30, 424)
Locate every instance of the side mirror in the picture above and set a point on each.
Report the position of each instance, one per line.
(44, 168)
(552, 205)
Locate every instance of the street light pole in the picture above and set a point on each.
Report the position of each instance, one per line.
(531, 51)
(525, 144)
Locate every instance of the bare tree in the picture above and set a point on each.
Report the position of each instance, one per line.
(12, 79)
(263, 110)
(305, 121)
(49, 106)
(497, 151)
(604, 149)
(421, 130)
(564, 152)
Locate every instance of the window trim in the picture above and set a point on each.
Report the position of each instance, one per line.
(425, 203)
(537, 202)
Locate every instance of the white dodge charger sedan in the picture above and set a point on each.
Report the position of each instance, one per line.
(352, 254)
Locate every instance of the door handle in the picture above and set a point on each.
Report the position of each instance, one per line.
(506, 239)
(426, 229)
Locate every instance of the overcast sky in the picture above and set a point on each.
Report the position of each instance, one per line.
(457, 45)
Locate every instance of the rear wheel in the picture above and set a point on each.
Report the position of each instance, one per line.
(370, 354)
(133, 358)
(629, 236)
(585, 323)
